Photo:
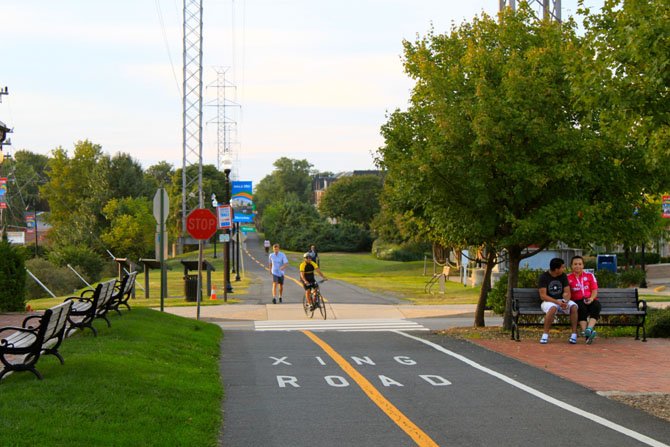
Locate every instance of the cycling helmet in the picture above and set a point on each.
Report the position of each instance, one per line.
(306, 255)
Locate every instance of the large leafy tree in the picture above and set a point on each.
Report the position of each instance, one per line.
(290, 180)
(126, 177)
(621, 84)
(131, 230)
(490, 152)
(77, 190)
(354, 198)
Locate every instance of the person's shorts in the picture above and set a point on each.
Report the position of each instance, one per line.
(309, 285)
(278, 279)
(586, 311)
(546, 305)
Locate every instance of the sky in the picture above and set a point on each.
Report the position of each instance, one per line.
(315, 80)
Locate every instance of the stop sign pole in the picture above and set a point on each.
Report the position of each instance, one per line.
(201, 224)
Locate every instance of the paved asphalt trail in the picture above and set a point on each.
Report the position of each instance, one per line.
(284, 389)
(330, 388)
(256, 262)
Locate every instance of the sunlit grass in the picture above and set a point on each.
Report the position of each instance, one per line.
(152, 379)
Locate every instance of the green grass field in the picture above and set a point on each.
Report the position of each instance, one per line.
(152, 379)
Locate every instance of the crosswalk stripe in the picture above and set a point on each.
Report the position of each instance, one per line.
(339, 325)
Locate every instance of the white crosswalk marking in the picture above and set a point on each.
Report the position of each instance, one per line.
(340, 325)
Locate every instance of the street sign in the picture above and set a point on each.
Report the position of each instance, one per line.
(201, 223)
(247, 228)
(157, 205)
(225, 216)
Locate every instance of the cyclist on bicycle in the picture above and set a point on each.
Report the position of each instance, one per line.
(307, 269)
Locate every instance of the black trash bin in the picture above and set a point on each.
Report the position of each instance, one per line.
(191, 287)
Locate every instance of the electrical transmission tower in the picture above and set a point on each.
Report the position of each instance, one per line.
(226, 127)
(192, 110)
(548, 9)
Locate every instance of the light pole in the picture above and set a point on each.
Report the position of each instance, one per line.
(227, 164)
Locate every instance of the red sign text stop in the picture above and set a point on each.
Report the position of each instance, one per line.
(201, 223)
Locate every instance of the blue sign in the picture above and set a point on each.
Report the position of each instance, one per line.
(242, 201)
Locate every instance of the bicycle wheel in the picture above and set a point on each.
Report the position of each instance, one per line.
(305, 305)
(321, 304)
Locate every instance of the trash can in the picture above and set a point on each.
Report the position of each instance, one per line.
(606, 262)
(191, 287)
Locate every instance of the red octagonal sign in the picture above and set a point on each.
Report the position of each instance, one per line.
(201, 223)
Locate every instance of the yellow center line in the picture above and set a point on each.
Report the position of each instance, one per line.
(402, 421)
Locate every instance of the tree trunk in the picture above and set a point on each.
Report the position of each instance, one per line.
(514, 253)
(486, 288)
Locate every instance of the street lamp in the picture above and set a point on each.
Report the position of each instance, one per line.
(227, 165)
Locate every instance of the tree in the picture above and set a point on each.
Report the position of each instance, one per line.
(126, 178)
(213, 182)
(621, 83)
(77, 189)
(159, 175)
(132, 226)
(25, 172)
(489, 152)
(354, 198)
(289, 180)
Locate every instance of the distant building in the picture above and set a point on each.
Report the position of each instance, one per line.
(320, 182)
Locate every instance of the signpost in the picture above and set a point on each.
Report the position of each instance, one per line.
(161, 205)
(201, 224)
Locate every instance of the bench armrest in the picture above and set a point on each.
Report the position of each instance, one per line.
(86, 292)
(31, 317)
(642, 305)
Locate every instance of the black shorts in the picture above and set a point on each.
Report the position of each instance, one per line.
(309, 285)
(278, 279)
(586, 311)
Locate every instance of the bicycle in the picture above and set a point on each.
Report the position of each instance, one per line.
(317, 299)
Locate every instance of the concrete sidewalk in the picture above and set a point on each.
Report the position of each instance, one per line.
(293, 311)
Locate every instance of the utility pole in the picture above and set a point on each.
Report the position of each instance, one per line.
(544, 9)
(192, 111)
(4, 141)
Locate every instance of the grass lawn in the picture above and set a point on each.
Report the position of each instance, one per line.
(152, 379)
(404, 280)
(175, 285)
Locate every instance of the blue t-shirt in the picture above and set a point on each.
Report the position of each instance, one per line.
(277, 261)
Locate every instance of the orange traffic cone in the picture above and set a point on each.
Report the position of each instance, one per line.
(213, 297)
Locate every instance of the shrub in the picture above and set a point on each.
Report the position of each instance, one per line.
(630, 278)
(60, 280)
(408, 251)
(82, 258)
(658, 323)
(606, 279)
(497, 295)
(12, 278)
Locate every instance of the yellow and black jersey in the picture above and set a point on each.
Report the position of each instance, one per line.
(307, 267)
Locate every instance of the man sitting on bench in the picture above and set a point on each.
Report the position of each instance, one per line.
(555, 295)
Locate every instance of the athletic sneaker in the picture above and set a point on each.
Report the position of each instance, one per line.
(590, 337)
(279, 300)
(544, 340)
(573, 339)
(274, 300)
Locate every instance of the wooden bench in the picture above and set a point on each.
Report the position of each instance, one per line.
(21, 347)
(619, 307)
(122, 292)
(85, 310)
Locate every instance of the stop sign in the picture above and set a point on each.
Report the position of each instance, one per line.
(201, 223)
